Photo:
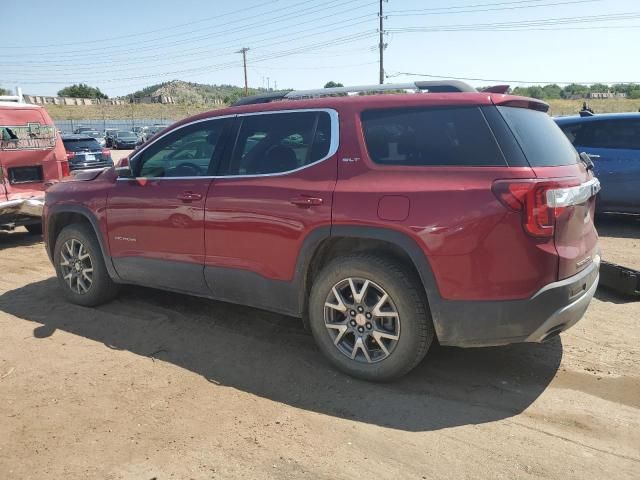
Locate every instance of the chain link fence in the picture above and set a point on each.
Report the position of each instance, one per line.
(69, 126)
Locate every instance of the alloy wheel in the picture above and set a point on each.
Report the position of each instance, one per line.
(362, 320)
(76, 265)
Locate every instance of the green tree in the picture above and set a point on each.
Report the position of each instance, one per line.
(4, 91)
(552, 91)
(332, 84)
(81, 90)
(574, 89)
(599, 88)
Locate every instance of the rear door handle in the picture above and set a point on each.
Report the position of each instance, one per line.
(306, 201)
(189, 196)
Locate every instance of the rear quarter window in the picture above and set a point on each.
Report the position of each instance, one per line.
(541, 140)
(430, 137)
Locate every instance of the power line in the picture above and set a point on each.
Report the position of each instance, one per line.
(283, 41)
(478, 5)
(432, 11)
(217, 67)
(164, 29)
(247, 39)
(476, 79)
(317, 7)
(521, 24)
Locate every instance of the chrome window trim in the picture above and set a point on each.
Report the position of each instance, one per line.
(333, 145)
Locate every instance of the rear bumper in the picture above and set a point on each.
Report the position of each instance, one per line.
(553, 309)
(21, 210)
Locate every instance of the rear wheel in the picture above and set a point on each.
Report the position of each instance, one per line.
(369, 317)
(80, 267)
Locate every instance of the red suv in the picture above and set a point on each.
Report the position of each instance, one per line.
(383, 221)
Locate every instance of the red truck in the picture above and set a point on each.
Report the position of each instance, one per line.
(383, 221)
(31, 158)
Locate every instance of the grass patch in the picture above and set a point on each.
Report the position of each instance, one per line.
(177, 112)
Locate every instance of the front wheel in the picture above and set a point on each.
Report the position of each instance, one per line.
(369, 317)
(80, 267)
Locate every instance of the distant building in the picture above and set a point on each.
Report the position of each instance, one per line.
(47, 100)
(607, 95)
(164, 99)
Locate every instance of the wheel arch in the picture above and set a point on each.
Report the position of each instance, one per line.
(63, 215)
(353, 238)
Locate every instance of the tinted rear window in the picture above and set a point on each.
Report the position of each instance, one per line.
(542, 142)
(80, 145)
(430, 137)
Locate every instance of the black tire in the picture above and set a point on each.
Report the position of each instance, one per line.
(102, 288)
(405, 291)
(34, 228)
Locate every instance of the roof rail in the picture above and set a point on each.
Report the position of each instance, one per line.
(262, 98)
(449, 86)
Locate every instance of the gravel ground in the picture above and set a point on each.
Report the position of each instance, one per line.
(165, 386)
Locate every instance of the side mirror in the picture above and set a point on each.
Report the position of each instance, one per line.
(124, 172)
(123, 168)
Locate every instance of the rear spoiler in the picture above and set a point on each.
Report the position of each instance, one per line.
(521, 102)
(496, 89)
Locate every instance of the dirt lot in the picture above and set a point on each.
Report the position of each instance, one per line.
(159, 385)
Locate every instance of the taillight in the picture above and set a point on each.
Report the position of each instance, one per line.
(65, 169)
(543, 201)
(106, 152)
(71, 155)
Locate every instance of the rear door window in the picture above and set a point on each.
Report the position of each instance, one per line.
(541, 140)
(430, 137)
(279, 142)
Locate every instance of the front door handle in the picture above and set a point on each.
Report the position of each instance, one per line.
(189, 196)
(306, 201)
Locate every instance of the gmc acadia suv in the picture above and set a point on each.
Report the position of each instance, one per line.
(383, 221)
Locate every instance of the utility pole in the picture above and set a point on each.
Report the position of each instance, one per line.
(381, 45)
(268, 84)
(244, 51)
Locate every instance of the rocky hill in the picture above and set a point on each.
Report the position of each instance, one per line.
(190, 93)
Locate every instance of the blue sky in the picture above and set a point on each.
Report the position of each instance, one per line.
(121, 46)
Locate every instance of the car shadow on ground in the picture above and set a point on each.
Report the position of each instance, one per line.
(18, 238)
(271, 356)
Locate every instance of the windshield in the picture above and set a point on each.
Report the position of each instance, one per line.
(126, 134)
(541, 140)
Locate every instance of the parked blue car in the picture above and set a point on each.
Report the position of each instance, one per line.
(612, 141)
